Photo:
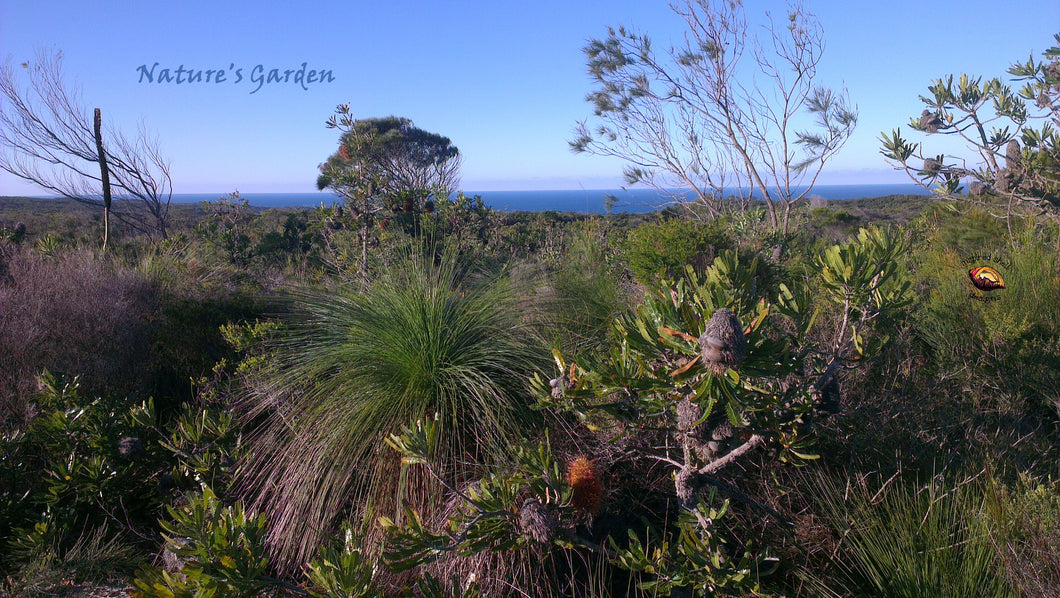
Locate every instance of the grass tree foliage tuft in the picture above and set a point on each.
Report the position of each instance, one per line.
(350, 367)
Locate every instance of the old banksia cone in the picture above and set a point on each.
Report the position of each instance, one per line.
(722, 343)
(129, 447)
(537, 521)
(584, 479)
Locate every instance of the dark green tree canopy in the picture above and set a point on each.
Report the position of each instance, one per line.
(405, 162)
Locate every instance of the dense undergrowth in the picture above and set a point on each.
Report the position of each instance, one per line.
(236, 410)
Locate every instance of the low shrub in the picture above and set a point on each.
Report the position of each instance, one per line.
(663, 249)
(79, 479)
(586, 292)
(1025, 529)
(75, 314)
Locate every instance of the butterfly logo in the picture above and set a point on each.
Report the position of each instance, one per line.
(986, 278)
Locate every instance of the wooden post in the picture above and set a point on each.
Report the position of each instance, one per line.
(105, 176)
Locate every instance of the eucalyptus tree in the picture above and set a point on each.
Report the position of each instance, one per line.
(725, 110)
(387, 164)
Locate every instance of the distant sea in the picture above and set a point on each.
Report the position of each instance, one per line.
(572, 200)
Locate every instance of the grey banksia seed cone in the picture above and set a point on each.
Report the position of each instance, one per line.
(722, 343)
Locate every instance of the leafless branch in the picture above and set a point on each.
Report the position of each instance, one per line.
(48, 139)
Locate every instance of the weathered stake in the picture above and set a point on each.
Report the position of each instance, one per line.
(105, 177)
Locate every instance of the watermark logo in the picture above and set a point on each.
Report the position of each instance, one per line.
(986, 278)
(257, 76)
(985, 274)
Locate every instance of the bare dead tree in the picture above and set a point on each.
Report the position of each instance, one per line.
(725, 110)
(49, 139)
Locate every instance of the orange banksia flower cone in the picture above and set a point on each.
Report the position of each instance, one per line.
(585, 482)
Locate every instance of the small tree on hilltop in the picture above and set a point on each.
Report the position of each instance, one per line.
(387, 164)
(725, 110)
(1014, 163)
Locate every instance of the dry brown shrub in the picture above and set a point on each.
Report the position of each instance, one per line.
(74, 315)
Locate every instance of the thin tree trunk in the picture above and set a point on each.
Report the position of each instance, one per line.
(365, 221)
(364, 249)
(105, 177)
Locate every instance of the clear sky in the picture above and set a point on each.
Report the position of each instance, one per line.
(505, 80)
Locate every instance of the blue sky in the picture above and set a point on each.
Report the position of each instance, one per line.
(505, 81)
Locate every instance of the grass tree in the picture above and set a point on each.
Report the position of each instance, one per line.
(48, 140)
(350, 368)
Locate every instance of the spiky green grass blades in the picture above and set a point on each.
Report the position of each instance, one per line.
(351, 368)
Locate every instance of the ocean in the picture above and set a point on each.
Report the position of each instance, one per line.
(591, 201)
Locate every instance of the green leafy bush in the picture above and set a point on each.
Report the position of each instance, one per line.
(663, 249)
(220, 550)
(82, 484)
(78, 482)
(342, 568)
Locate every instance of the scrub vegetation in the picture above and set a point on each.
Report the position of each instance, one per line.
(413, 394)
(532, 399)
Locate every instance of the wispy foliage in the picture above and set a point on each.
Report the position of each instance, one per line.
(351, 368)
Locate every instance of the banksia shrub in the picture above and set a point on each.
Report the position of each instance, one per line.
(584, 480)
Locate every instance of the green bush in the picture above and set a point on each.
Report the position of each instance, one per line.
(586, 292)
(1002, 347)
(220, 550)
(910, 541)
(1025, 528)
(663, 249)
(830, 221)
(350, 367)
(83, 482)
(79, 479)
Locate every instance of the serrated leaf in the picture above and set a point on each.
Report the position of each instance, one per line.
(734, 417)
